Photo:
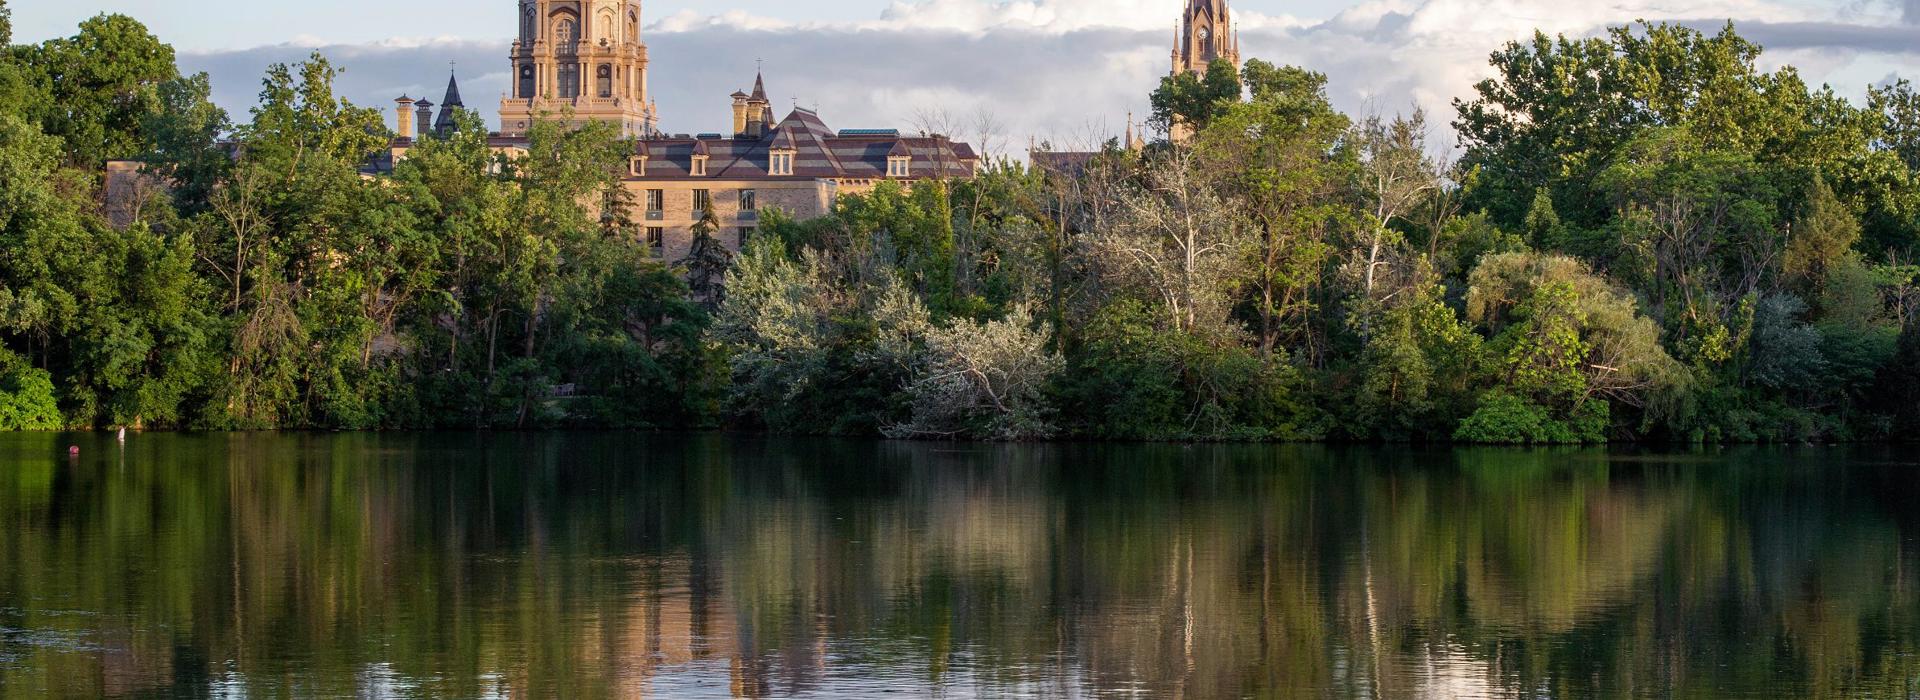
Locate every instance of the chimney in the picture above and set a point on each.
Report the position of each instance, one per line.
(739, 114)
(405, 120)
(756, 120)
(425, 120)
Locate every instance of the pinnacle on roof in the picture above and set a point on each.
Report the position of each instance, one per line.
(759, 88)
(453, 93)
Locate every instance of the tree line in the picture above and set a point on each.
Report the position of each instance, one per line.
(1636, 236)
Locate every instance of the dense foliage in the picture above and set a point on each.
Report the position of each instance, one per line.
(1645, 236)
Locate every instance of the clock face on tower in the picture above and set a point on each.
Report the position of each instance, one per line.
(1204, 34)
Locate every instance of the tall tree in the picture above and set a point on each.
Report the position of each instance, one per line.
(97, 87)
(707, 261)
(183, 141)
(1277, 157)
(1822, 240)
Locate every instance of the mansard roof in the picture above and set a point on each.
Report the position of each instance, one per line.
(819, 153)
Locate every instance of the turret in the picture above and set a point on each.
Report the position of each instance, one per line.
(404, 120)
(739, 113)
(425, 110)
(759, 112)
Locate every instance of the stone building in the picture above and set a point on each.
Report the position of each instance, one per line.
(583, 60)
(582, 57)
(1205, 34)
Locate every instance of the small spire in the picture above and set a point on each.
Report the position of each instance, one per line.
(759, 87)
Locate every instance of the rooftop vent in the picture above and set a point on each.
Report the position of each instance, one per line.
(869, 132)
(711, 137)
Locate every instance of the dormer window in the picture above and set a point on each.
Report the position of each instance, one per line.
(780, 163)
(899, 166)
(699, 166)
(637, 166)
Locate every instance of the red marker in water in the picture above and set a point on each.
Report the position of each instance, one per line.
(73, 451)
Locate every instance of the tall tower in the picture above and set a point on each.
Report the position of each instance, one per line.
(1205, 33)
(582, 55)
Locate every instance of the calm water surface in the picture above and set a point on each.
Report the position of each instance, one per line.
(722, 566)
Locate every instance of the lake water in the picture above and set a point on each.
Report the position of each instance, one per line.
(724, 566)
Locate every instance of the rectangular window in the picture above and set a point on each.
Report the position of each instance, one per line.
(746, 234)
(701, 200)
(699, 167)
(656, 200)
(898, 167)
(656, 237)
(780, 164)
(746, 201)
(639, 167)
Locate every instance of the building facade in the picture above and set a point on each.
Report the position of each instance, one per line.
(579, 61)
(1205, 34)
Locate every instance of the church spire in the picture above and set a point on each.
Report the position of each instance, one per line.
(1206, 34)
(444, 124)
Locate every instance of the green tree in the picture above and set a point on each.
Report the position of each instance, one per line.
(707, 261)
(183, 141)
(1189, 101)
(98, 87)
(27, 399)
(1276, 158)
(1898, 106)
(1821, 241)
(1569, 341)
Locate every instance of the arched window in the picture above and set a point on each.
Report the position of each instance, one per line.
(529, 20)
(526, 82)
(633, 26)
(604, 80)
(566, 35)
(604, 27)
(569, 80)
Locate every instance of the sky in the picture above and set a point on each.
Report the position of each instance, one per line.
(1067, 72)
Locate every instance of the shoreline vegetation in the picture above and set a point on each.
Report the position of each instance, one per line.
(1640, 237)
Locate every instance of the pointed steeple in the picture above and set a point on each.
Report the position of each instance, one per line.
(759, 88)
(444, 124)
(453, 92)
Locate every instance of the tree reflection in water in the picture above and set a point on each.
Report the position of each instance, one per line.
(637, 566)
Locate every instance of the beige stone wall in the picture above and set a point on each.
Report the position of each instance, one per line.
(128, 191)
(799, 199)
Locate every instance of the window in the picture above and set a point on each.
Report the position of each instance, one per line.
(746, 234)
(699, 166)
(570, 80)
(527, 21)
(637, 167)
(656, 200)
(566, 35)
(701, 200)
(605, 80)
(746, 201)
(526, 82)
(656, 237)
(780, 163)
(899, 167)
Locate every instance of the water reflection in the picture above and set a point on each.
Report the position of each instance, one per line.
(711, 566)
